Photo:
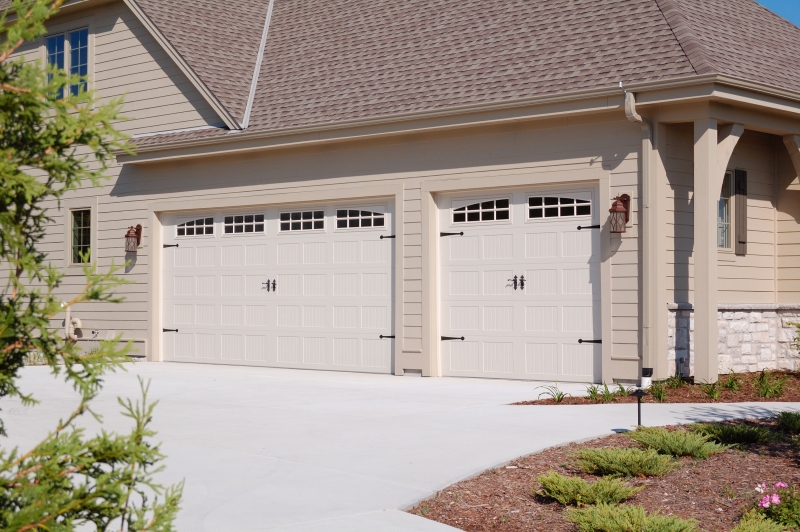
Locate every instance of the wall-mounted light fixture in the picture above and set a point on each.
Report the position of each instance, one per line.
(133, 238)
(620, 213)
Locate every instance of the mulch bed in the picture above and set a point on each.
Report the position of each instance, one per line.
(715, 491)
(690, 392)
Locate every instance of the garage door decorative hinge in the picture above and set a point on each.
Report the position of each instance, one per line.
(384, 336)
(452, 234)
(580, 227)
(388, 236)
(590, 341)
(170, 245)
(169, 330)
(449, 338)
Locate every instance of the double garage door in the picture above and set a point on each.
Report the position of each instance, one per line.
(308, 287)
(520, 285)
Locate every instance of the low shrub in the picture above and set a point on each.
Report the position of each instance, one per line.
(732, 382)
(755, 522)
(623, 462)
(712, 390)
(780, 504)
(625, 518)
(676, 381)
(577, 492)
(676, 443)
(607, 395)
(789, 422)
(768, 385)
(553, 393)
(622, 391)
(658, 391)
(732, 434)
(593, 392)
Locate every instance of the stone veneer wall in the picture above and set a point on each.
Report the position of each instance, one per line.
(751, 338)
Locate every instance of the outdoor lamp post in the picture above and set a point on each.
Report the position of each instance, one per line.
(132, 238)
(639, 393)
(620, 213)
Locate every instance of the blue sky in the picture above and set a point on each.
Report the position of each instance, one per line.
(788, 9)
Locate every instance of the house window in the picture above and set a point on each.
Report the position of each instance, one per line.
(70, 52)
(485, 211)
(557, 207)
(81, 236)
(724, 214)
(244, 223)
(349, 218)
(200, 226)
(302, 221)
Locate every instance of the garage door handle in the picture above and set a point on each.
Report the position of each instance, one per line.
(169, 330)
(388, 236)
(170, 245)
(448, 338)
(452, 234)
(383, 336)
(590, 341)
(588, 227)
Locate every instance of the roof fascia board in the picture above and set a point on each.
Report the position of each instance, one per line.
(212, 100)
(257, 70)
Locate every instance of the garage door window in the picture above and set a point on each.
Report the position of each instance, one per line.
(485, 211)
(200, 226)
(244, 223)
(302, 221)
(557, 207)
(352, 218)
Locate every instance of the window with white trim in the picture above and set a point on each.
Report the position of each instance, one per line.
(302, 221)
(81, 230)
(352, 218)
(197, 227)
(484, 211)
(244, 223)
(724, 213)
(69, 51)
(540, 207)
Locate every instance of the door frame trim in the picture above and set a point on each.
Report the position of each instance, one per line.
(431, 267)
(328, 193)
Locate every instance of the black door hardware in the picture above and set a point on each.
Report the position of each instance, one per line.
(265, 285)
(389, 236)
(170, 245)
(588, 227)
(169, 330)
(522, 282)
(590, 341)
(384, 336)
(514, 281)
(448, 338)
(274, 285)
(452, 234)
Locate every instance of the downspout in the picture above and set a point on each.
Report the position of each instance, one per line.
(647, 239)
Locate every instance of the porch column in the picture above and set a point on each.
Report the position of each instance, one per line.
(706, 198)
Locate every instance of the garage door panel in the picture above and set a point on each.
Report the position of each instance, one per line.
(306, 299)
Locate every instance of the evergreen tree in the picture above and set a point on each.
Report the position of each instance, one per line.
(54, 141)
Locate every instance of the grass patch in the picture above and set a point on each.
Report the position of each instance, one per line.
(572, 491)
(753, 522)
(676, 443)
(623, 462)
(732, 434)
(605, 518)
(789, 422)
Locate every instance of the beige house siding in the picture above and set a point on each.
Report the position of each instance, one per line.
(747, 279)
(788, 229)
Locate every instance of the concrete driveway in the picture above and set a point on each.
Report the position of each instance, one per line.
(292, 450)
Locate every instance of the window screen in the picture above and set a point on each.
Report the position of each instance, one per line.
(200, 226)
(557, 207)
(81, 236)
(485, 211)
(351, 218)
(302, 221)
(244, 223)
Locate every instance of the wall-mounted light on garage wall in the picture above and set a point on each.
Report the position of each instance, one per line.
(620, 213)
(133, 238)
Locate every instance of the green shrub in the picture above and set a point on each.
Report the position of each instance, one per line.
(786, 511)
(676, 381)
(732, 382)
(769, 386)
(623, 462)
(755, 522)
(593, 392)
(605, 518)
(712, 390)
(607, 395)
(732, 434)
(553, 393)
(622, 391)
(676, 443)
(577, 492)
(658, 391)
(789, 422)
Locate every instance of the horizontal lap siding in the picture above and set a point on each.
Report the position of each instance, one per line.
(788, 228)
(742, 279)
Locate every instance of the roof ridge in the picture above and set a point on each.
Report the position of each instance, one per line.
(682, 30)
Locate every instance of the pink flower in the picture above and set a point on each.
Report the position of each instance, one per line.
(775, 499)
(761, 488)
(764, 502)
(780, 485)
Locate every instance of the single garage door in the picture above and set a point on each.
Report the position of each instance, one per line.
(520, 284)
(296, 287)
